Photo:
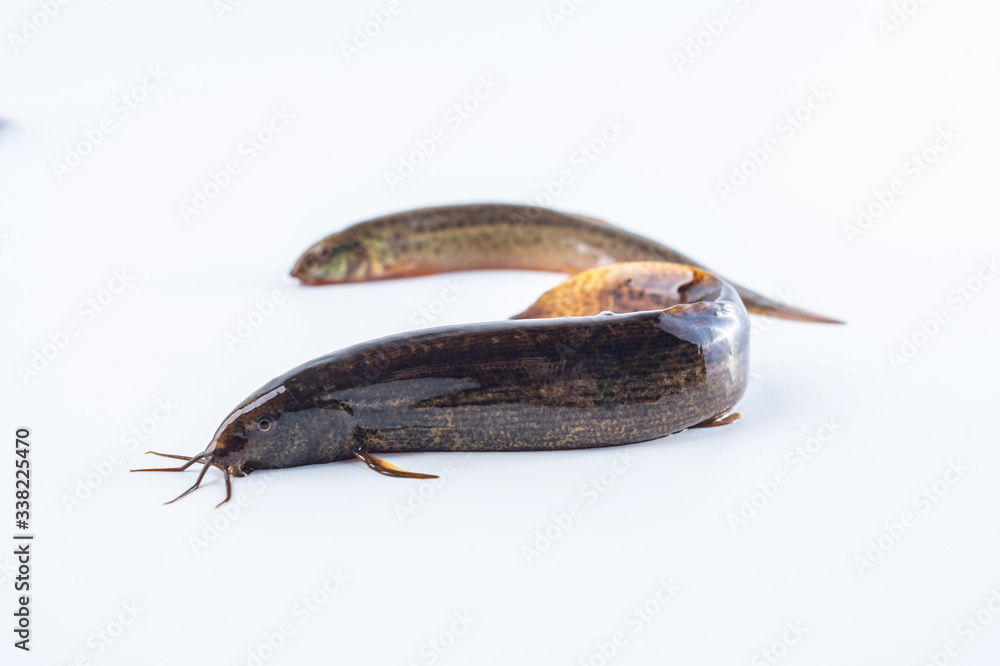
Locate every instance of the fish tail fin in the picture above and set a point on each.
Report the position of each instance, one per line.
(762, 305)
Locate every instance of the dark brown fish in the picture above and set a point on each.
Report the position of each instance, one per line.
(537, 384)
(492, 236)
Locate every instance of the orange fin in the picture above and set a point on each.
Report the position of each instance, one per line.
(625, 287)
(385, 467)
(724, 418)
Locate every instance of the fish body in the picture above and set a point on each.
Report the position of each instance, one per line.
(493, 236)
(517, 385)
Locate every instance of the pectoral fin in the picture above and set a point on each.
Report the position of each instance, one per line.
(724, 418)
(385, 467)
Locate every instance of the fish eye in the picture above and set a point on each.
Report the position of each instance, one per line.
(264, 424)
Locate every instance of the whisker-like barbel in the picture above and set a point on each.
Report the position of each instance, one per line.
(203, 458)
(200, 458)
(193, 488)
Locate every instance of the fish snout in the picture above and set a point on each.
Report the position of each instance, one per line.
(309, 267)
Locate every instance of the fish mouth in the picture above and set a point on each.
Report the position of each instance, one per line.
(302, 274)
(335, 260)
(304, 269)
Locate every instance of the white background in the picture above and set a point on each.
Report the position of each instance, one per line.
(796, 560)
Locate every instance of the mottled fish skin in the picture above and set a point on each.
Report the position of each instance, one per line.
(523, 385)
(492, 236)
